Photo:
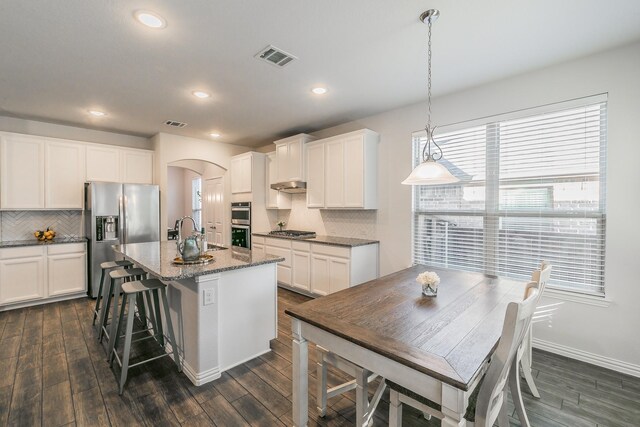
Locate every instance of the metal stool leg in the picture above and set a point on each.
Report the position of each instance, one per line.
(153, 316)
(104, 313)
(172, 337)
(96, 309)
(119, 329)
(156, 303)
(127, 344)
(141, 309)
(113, 330)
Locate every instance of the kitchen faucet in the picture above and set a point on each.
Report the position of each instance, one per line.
(180, 221)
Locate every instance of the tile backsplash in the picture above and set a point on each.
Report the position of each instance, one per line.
(20, 225)
(343, 223)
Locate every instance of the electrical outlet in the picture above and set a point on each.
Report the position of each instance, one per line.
(209, 297)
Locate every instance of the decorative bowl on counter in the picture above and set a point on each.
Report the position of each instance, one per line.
(46, 235)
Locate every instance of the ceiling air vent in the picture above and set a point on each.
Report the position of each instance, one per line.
(275, 56)
(175, 124)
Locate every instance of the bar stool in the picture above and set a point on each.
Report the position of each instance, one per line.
(117, 276)
(151, 288)
(105, 266)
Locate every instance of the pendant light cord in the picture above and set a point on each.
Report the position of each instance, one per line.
(426, 152)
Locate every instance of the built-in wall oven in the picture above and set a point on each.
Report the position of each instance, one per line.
(241, 224)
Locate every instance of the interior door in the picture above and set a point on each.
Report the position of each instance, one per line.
(214, 210)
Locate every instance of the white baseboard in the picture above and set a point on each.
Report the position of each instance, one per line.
(200, 378)
(585, 356)
(82, 294)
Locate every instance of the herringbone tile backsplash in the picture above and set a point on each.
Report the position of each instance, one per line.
(20, 225)
(342, 223)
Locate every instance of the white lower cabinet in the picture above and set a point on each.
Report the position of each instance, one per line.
(37, 273)
(280, 248)
(22, 274)
(320, 269)
(66, 269)
(301, 265)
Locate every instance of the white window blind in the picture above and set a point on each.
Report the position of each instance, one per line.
(196, 201)
(531, 188)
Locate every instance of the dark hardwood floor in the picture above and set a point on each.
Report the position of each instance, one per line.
(54, 373)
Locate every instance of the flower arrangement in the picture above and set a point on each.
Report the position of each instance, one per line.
(429, 281)
(281, 224)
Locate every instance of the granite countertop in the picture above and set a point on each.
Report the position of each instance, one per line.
(34, 242)
(348, 242)
(157, 259)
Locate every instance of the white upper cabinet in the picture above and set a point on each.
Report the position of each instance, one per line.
(103, 164)
(274, 198)
(111, 164)
(136, 166)
(48, 173)
(241, 173)
(21, 172)
(346, 177)
(315, 174)
(64, 170)
(290, 154)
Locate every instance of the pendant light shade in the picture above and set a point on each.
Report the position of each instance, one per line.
(429, 172)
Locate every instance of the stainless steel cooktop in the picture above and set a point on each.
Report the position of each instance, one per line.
(298, 234)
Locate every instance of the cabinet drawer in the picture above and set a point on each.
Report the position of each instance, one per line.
(301, 246)
(22, 252)
(281, 243)
(258, 239)
(337, 251)
(67, 248)
(284, 274)
(279, 252)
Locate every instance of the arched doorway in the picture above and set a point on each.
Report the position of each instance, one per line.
(196, 188)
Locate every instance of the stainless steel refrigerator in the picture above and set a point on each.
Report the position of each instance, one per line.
(118, 214)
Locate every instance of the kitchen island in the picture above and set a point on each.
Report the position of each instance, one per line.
(223, 313)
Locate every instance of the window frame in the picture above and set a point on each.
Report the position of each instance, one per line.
(492, 213)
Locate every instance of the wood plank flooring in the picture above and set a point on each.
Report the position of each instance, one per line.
(54, 373)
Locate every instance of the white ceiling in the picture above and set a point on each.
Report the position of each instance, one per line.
(60, 58)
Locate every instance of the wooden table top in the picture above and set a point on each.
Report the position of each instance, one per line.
(448, 337)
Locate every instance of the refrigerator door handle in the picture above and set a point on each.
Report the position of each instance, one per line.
(123, 219)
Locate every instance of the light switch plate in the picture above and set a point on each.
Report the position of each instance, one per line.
(209, 297)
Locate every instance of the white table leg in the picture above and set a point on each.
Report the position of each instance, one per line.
(454, 406)
(300, 361)
(395, 409)
(362, 396)
(321, 383)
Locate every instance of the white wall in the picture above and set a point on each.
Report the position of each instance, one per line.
(175, 195)
(604, 335)
(172, 148)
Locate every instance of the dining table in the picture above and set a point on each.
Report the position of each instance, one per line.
(438, 347)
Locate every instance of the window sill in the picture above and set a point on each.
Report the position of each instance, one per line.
(576, 297)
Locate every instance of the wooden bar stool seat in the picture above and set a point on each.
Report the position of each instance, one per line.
(153, 290)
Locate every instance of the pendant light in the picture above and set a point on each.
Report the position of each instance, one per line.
(429, 172)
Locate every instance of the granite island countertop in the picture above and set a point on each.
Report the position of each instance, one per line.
(348, 242)
(34, 242)
(157, 258)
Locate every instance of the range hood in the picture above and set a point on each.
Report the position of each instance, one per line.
(293, 187)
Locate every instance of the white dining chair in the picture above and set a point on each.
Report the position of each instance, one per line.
(362, 377)
(487, 403)
(539, 279)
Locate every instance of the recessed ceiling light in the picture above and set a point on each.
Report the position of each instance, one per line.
(97, 113)
(319, 90)
(214, 135)
(200, 94)
(150, 19)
